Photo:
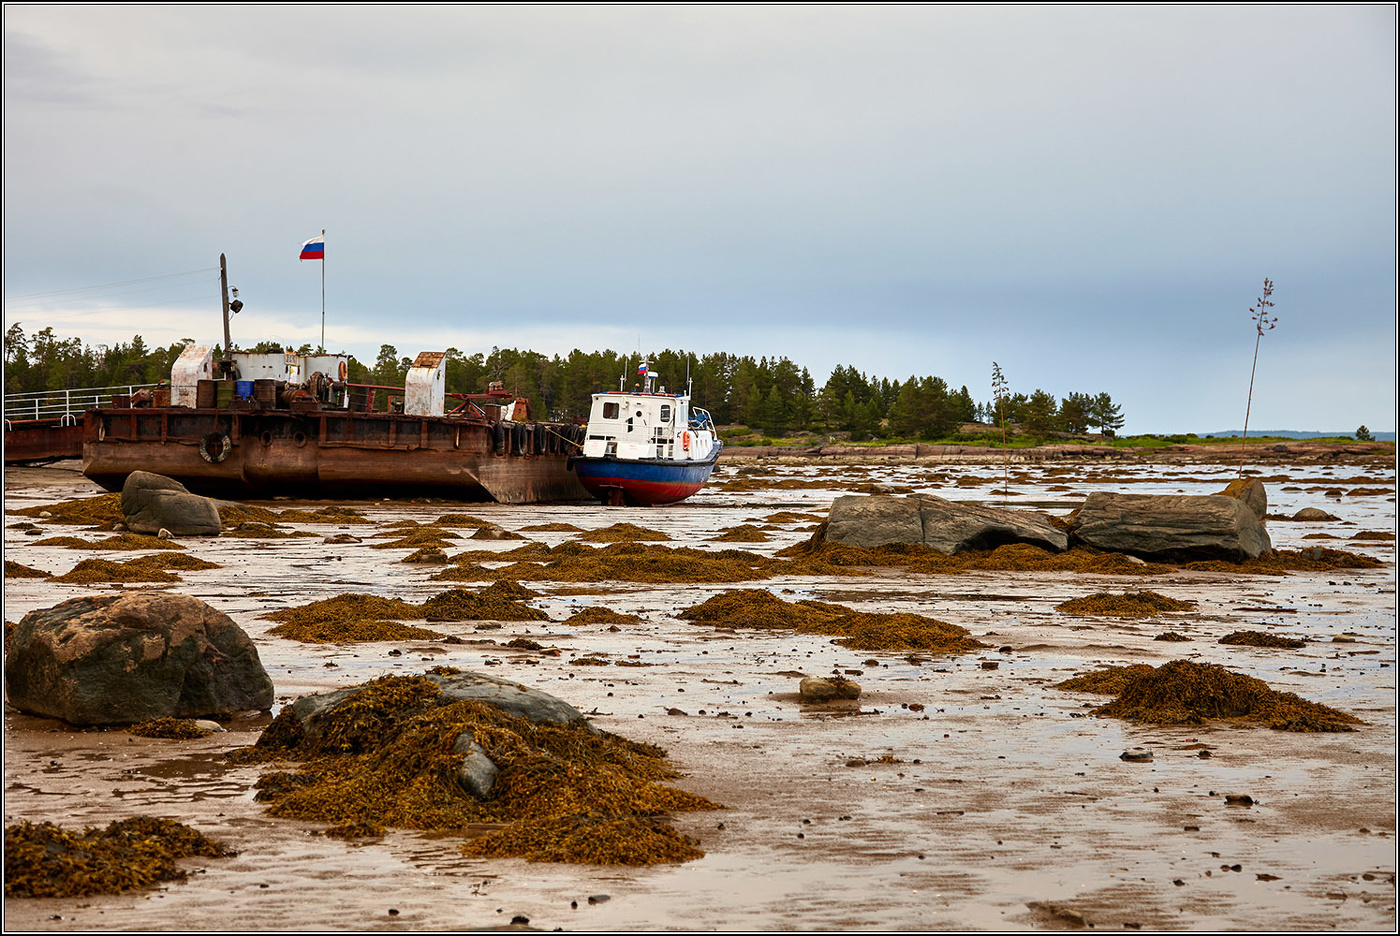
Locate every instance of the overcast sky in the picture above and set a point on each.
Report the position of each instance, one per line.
(1090, 196)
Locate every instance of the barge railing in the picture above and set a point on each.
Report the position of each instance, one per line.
(58, 404)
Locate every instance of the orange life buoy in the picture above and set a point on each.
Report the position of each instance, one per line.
(685, 441)
(344, 370)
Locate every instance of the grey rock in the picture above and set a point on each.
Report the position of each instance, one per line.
(151, 502)
(874, 520)
(820, 689)
(948, 526)
(1171, 527)
(951, 527)
(1312, 514)
(121, 659)
(477, 772)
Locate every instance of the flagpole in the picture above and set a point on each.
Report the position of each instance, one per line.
(323, 291)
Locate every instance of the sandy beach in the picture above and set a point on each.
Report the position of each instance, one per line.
(955, 795)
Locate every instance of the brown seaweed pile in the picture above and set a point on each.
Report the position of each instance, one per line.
(177, 729)
(120, 541)
(551, 528)
(388, 756)
(460, 520)
(357, 617)
(1107, 681)
(102, 510)
(46, 860)
(257, 529)
(621, 562)
(232, 515)
(1262, 639)
(1128, 604)
(743, 533)
(1172, 637)
(358, 631)
(597, 614)
(1185, 693)
(15, 570)
(623, 533)
(858, 630)
(420, 537)
(152, 568)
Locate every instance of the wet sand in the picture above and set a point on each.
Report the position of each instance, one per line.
(1002, 804)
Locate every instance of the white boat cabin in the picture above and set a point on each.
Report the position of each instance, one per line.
(648, 426)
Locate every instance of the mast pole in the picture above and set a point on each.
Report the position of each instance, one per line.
(223, 285)
(323, 291)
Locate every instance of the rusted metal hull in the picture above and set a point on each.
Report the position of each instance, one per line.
(42, 440)
(321, 453)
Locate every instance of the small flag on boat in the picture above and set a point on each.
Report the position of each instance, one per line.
(642, 370)
(314, 249)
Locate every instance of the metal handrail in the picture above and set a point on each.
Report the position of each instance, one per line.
(49, 404)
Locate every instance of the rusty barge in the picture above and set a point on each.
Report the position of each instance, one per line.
(263, 425)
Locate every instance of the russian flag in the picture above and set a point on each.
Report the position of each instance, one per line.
(642, 370)
(314, 249)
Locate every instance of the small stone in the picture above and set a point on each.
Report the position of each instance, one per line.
(1238, 799)
(164, 534)
(1136, 756)
(599, 898)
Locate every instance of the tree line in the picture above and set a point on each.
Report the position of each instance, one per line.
(773, 396)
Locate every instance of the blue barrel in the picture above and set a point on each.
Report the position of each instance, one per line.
(243, 389)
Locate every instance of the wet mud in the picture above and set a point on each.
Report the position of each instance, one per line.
(960, 791)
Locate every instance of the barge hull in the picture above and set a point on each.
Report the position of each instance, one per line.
(265, 452)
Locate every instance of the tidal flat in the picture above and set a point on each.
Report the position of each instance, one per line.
(959, 792)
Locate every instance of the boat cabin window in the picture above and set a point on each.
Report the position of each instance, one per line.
(665, 413)
(610, 410)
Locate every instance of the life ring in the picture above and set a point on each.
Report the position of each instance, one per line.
(685, 440)
(344, 371)
(215, 447)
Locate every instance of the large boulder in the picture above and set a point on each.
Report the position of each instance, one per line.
(120, 659)
(152, 502)
(1251, 491)
(949, 526)
(1171, 527)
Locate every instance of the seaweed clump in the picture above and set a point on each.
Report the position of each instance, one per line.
(1107, 681)
(623, 533)
(858, 630)
(46, 860)
(351, 617)
(120, 541)
(389, 755)
(15, 570)
(621, 562)
(743, 533)
(1185, 693)
(597, 614)
(102, 510)
(176, 729)
(1262, 639)
(1128, 604)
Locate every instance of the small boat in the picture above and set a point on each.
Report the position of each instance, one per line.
(646, 447)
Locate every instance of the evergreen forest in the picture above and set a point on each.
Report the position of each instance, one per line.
(772, 396)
